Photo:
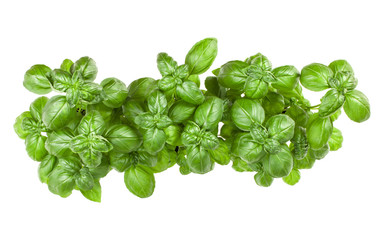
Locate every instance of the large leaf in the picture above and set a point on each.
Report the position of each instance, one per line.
(198, 160)
(233, 75)
(201, 56)
(332, 101)
(140, 181)
(56, 113)
(166, 64)
(281, 127)
(87, 67)
(280, 164)
(36, 81)
(123, 138)
(190, 93)
(319, 131)
(114, 92)
(92, 122)
(35, 146)
(357, 106)
(315, 76)
(209, 114)
(58, 142)
(246, 112)
(154, 140)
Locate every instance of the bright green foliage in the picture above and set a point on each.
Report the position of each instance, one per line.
(251, 114)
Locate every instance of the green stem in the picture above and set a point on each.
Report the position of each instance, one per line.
(316, 106)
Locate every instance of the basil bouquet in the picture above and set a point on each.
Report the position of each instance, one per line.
(250, 114)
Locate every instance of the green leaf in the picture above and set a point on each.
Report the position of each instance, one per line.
(35, 146)
(58, 142)
(281, 127)
(102, 169)
(100, 144)
(261, 61)
(114, 92)
(293, 177)
(332, 101)
(121, 161)
(157, 103)
(36, 81)
(220, 154)
(91, 92)
(181, 111)
(173, 135)
(209, 141)
(357, 106)
(209, 114)
(166, 64)
(246, 112)
(36, 108)
(131, 109)
(164, 160)
(17, 126)
(259, 133)
(273, 103)
(163, 122)
(154, 140)
(340, 66)
(198, 160)
(123, 138)
(201, 56)
(190, 93)
(336, 115)
(319, 131)
(56, 113)
(263, 179)
(280, 164)
(298, 114)
(256, 88)
(46, 167)
(305, 163)
(240, 165)
(87, 67)
(141, 88)
(62, 80)
(66, 65)
(94, 194)
(272, 146)
(233, 75)
(245, 147)
(300, 143)
(213, 87)
(92, 122)
(61, 182)
(287, 78)
(140, 181)
(91, 158)
(319, 153)
(315, 77)
(84, 180)
(336, 140)
(167, 83)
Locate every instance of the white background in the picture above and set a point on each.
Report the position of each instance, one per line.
(340, 198)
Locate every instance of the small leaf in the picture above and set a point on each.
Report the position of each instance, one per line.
(293, 177)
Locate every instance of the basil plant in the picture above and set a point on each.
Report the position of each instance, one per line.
(250, 114)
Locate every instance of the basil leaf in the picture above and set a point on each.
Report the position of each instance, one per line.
(91, 157)
(154, 140)
(201, 56)
(123, 138)
(336, 140)
(245, 147)
(198, 160)
(36, 81)
(17, 126)
(332, 101)
(87, 67)
(84, 180)
(58, 142)
(61, 182)
(300, 143)
(209, 114)
(263, 179)
(287, 78)
(319, 131)
(261, 61)
(347, 80)
(114, 92)
(357, 106)
(61, 80)
(319, 153)
(256, 88)
(157, 103)
(213, 87)
(281, 127)
(240, 165)
(273, 103)
(36, 108)
(280, 164)
(141, 88)
(181, 111)
(167, 83)
(315, 77)
(101, 144)
(298, 114)
(340, 66)
(293, 177)
(209, 141)
(272, 146)
(66, 65)
(305, 163)
(246, 112)
(190, 93)
(140, 181)
(92, 122)
(164, 160)
(173, 135)
(94, 194)
(163, 122)
(121, 161)
(146, 159)
(166, 64)
(233, 75)
(220, 154)
(35, 146)
(56, 113)
(46, 167)
(131, 109)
